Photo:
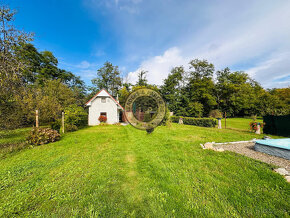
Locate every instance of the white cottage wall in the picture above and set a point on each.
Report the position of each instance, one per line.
(97, 107)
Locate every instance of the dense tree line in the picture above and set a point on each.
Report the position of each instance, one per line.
(31, 79)
(196, 92)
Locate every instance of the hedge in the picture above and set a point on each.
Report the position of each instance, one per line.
(205, 122)
(277, 125)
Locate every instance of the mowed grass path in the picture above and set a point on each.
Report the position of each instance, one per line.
(116, 171)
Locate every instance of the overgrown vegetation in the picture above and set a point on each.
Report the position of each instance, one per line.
(40, 136)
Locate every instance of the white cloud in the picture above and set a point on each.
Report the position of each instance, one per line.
(156, 35)
(159, 66)
(84, 65)
(274, 72)
(257, 41)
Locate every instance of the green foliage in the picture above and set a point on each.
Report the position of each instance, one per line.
(56, 125)
(171, 89)
(166, 120)
(11, 68)
(40, 136)
(123, 94)
(204, 122)
(31, 80)
(75, 115)
(236, 93)
(70, 127)
(50, 99)
(200, 87)
(108, 78)
(216, 114)
(142, 80)
(43, 66)
(195, 93)
(195, 109)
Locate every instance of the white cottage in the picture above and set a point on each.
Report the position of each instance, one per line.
(104, 104)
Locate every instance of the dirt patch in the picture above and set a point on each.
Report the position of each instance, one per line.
(248, 150)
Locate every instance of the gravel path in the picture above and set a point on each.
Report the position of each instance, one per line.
(247, 149)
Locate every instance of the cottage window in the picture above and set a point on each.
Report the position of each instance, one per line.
(104, 114)
(103, 100)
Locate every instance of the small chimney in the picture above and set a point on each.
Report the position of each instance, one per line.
(117, 98)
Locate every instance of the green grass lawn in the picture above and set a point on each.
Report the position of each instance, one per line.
(121, 171)
(13, 136)
(239, 123)
(13, 141)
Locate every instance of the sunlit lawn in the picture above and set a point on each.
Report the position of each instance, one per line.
(239, 123)
(121, 171)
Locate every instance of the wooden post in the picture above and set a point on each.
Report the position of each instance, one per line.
(62, 121)
(225, 120)
(36, 119)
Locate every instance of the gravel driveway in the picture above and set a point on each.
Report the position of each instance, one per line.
(247, 149)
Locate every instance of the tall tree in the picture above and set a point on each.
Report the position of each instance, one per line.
(11, 68)
(171, 90)
(42, 66)
(236, 93)
(108, 78)
(200, 86)
(142, 80)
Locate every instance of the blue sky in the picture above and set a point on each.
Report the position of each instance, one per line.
(156, 35)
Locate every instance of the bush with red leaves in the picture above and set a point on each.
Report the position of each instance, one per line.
(102, 119)
(254, 126)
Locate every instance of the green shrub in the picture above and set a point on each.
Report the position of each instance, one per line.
(40, 136)
(166, 119)
(205, 122)
(75, 115)
(56, 125)
(70, 127)
(216, 114)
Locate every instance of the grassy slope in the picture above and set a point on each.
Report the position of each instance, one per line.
(13, 136)
(121, 171)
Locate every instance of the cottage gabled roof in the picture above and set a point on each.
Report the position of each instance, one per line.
(103, 93)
